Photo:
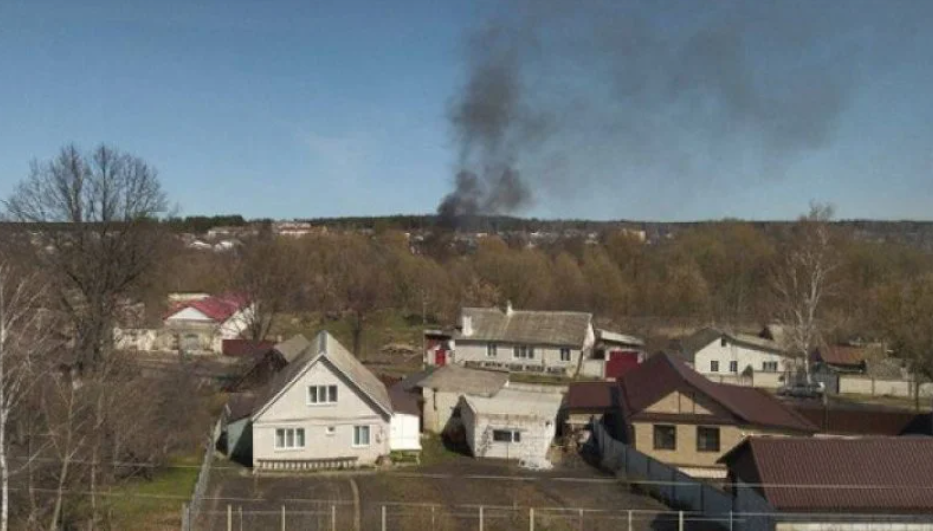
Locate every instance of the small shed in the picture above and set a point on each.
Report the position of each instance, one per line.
(405, 425)
(443, 388)
(512, 424)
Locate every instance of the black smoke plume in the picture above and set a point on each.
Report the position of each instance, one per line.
(561, 95)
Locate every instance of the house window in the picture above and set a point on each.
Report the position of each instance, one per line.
(733, 366)
(714, 366)
(769, 366)
(322, 394)
(565, 354)
(665, 437)
(289, 438)
(491, 351)
(330, 430)
(523, 352)
(507, 436)
(360, 435)
(723, 342)
(707, 439)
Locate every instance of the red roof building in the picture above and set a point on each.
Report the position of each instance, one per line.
(875, 475)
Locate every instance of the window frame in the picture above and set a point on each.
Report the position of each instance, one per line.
(733, 366)
(714, 366)
(514, 435)
(656, 430)
(328, 391)
(766, 366)
(294, 434)
(709, 429)
(492, 350)
(523, 352)
(369, 436)
(563, 357)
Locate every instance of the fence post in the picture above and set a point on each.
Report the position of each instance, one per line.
(581, 520)
(184, 517)
(432, 516)
(383, 518)
(531, 519)
(229, 517)
(283, 517)
(730, 519)
(680, 521)
(333, 518)
(480, 518)
(629, 520)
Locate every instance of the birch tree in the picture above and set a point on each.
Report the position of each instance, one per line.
(21, 336)
(803, 279)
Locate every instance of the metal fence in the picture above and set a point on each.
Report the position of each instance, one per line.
(662, 481)
(192, 510)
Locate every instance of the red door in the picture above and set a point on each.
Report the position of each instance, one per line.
(440, 357)
(620, 362)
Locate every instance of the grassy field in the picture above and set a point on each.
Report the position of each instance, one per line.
(156, 504)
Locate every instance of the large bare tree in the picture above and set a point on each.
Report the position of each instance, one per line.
(804, 278)
(94, 219)
(905, 315)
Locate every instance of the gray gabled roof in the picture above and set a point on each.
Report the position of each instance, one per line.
(325, 347)
(292, 347)
(564, 329)
(453, 378)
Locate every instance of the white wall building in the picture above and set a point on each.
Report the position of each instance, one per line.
(325, 409)
(559, 343)
(713, 352)
(512, 424)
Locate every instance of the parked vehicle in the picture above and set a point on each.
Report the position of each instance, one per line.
(803, 389)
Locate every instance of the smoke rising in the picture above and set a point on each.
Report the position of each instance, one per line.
(560, 94)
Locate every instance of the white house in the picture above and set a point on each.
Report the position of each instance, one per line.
(201, 324)
(512, 424)
(559, 343)
(715, 353)
(441, 391)
(323, 410)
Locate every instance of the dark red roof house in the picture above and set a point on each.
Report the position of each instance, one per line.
(834, 481)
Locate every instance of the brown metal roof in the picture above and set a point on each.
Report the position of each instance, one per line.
(589, 396)
(840, 355)
(664, 373)
(861, 475)
(863, 421)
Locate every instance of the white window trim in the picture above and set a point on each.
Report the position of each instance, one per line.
(296, 448)
(512, 431)
(369, 437)
(319, 403)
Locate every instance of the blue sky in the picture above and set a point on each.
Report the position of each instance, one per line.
(310, 108)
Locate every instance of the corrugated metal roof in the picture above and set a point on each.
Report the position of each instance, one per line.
(567, 329)
(664, 373)
(836, 475)
(840, 355)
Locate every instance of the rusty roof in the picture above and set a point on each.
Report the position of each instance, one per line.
(840, 355)
(663, 373)
(841, 475)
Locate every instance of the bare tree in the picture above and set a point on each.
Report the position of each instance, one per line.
(21, 337)
(803, 279)
(266, 272)
(94, 218)
(905, 315)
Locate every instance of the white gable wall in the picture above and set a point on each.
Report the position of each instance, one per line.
(188, 314)
(405, 432)
(744, 355)
(291, 410)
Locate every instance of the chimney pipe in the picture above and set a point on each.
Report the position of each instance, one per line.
(466, 325)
